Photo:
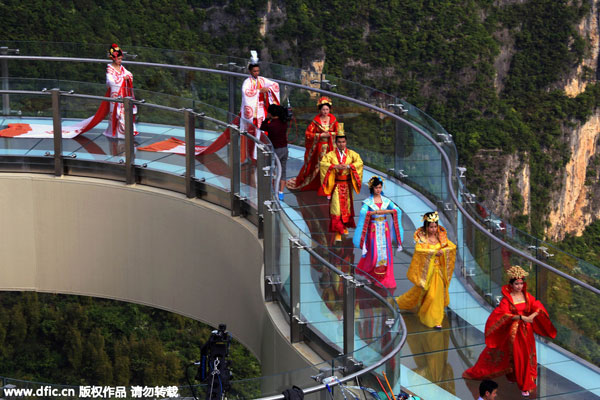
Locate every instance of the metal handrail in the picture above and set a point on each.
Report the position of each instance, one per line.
(443, 154)
(447, 161)
(447, 164)
(324, 262)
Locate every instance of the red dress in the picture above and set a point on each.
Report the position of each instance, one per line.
(510, 344)
(316, 148)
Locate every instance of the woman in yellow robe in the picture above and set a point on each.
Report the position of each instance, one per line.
(430, 270)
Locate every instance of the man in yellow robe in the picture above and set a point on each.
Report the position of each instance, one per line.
(341, 172)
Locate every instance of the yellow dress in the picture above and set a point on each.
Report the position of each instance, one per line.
(431, 275)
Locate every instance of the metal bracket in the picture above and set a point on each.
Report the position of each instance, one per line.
(461, 171)
(273, 281)
(240, 197)
(467, 273)
(352, 365)
(271, 206)
(400, 107)
(446, 137)
(5, 50)
(448, 207)
(298, 320)
(470, 198)
(296, 242)
(398, 174)
(323, 83)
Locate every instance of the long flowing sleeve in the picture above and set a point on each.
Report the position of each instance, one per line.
(327, 172)
(356, 170)
(542, 324)
(273, 90)
(396, 224)
(310, 139)
(359, 233)
(498, 325)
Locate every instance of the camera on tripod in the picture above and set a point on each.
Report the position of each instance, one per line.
(214, 367)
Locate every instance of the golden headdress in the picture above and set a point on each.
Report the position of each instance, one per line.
(516, 272)
(372, 181)
(431, 217)
(324, 101)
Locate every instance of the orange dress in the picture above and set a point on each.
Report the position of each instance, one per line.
(316, 148)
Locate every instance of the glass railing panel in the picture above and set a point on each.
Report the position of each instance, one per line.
(29, 109)
(375, 326)
(281, 235)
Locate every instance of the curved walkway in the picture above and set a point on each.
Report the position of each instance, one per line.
(432, 361)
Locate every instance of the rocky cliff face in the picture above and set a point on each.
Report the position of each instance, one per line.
(505, 179)
(577, 205)
(576, 195)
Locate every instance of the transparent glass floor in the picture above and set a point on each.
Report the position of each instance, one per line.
(432, 361)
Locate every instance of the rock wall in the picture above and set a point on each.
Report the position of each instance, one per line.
(505, 180)
(586, 71)
(575, 206)
(576, 197)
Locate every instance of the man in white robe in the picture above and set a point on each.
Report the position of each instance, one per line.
(257, 94)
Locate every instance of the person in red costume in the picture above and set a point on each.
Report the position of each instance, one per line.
(319, 140)
(509, 340)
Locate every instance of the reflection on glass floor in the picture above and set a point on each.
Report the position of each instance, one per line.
(432, 361)
(94, 146)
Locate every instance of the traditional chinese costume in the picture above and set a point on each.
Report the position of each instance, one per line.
(431, 275)
(255, 105)
(510, 344)
(339, 185)
(374, 236)
(120, 84)
(316, 148)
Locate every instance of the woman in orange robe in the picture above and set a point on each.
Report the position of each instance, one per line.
(319, 139)
(510, 344)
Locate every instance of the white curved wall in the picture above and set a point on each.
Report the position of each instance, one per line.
(139, 244)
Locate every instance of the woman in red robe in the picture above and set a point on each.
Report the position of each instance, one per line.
(510, 344)
(319, 139)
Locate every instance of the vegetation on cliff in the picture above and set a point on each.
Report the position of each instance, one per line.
(438, 55)
(78, 340)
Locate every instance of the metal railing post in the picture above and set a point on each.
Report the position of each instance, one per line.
(129, 152)
(4, 72)
(5, 97)
(269, 247)
(190, 151)
(295, 321)
(236, 167)
(263, 183)
(231, 85)
(57, 127)
(348, 313)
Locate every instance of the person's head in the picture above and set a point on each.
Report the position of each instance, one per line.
(116, 54)
(430, 222)
(324, 104)
(488, 390)
(376, 185)
(254, 70)
(274, 111)
(340, 142)
(516, 276)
